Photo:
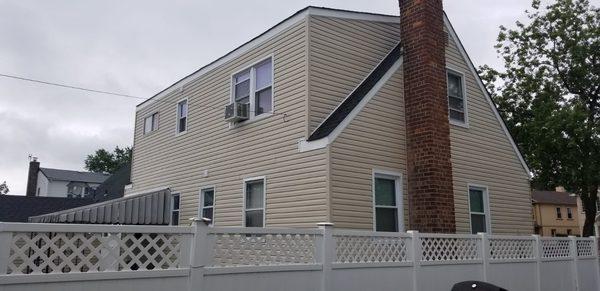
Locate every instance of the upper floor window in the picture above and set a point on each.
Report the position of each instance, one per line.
(151, 123)
(478, 202)
(387, 203)
(254, 86)
(207, 203)
(254, 202)
(182, 113)
(456, 98)
(175, 206)
(558, 213)
(569, 213)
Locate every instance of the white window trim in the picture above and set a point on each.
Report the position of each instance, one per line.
(252, 117)
(264, 206)
(456, 71)
(173, 210)
(397, 176)
(187, 117)
(486, 206)
(157, 125)
(201, 201)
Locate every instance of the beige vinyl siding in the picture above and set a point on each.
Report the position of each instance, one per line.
(374, 140)
(342, 53)
(483, 155)
(295, 182)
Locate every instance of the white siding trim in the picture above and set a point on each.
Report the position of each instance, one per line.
(463, 53)
(305, 145)
(269, 34)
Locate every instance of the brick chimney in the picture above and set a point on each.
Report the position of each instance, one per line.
(429, 169)
(34, 167)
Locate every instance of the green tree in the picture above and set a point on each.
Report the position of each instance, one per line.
(103, 161)
(4, 188)
(549, 94)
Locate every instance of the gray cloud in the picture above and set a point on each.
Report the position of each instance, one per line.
(139, 47)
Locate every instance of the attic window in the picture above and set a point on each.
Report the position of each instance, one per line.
(457, 109)
(151, 123)
(254, 86)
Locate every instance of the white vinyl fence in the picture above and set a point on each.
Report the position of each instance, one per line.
(109, 257)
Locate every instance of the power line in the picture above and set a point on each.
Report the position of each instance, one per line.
(70, 86)
(107, 92)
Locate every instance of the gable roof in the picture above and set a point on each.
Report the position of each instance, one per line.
(553, 197)
(356, 96)
(15, 208)
(76, 176)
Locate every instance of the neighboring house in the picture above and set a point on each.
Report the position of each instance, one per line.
(19, 208)
(46, 182)
(555, 213)
(114, 186)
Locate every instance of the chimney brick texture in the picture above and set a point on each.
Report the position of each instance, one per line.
(429, 169)
(32, 176)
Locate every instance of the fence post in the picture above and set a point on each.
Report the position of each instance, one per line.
(573, 253)
(199, 253)
(109, 254)
(538, 262)
(327, 254)
(485, 253)
(5, 244)
(417, 253)
(597, 261)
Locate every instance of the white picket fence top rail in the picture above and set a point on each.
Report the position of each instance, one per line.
(51, 249)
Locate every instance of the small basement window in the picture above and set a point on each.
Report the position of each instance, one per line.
(254, 86)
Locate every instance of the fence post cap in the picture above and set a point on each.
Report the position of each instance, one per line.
(412, 231)
(197, 220)
(325, 224)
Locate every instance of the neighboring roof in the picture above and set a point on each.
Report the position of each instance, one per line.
(68, 175)
(114, 186)
(152, 208)
(356, 96)
(553, 197)
(15, 208)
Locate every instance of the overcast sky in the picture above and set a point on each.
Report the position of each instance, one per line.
(139, 48)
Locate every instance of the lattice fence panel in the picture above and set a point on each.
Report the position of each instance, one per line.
(232, 249)
(367, 249)
(505, 249)
(37, 252)
(553, 248)
(585, 248)
(449, 249)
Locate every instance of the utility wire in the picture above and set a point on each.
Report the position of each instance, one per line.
(70, 87)
(106, 92)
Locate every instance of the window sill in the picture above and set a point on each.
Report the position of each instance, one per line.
(180, 133)
(249, 121)
(459, 124)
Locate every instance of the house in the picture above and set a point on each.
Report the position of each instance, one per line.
(15, 208)
(114, 186)
(330, 116)
(46, 182)
(556, 213)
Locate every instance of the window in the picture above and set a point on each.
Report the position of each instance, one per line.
(175, 204)
(386, 198)
(553, 232)
(254, 86)
(569, 232)
(558, 213)
(456, 98)
(182, 113)
(151, 123)
(569, 213)
(207, 203)
(254, 202)
(478, 209)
